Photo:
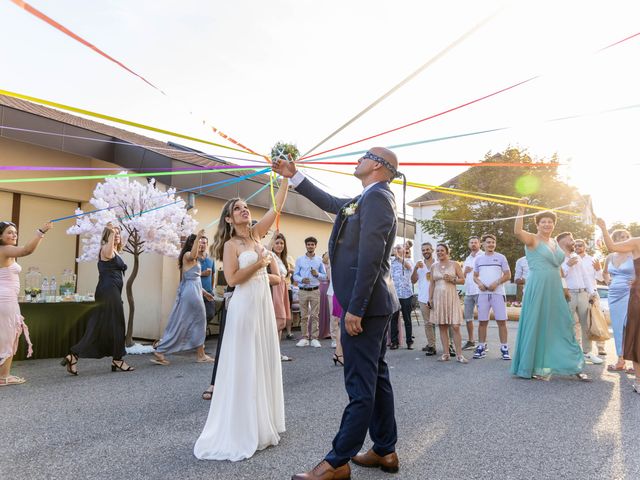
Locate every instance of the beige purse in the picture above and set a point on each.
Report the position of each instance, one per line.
(598, 328)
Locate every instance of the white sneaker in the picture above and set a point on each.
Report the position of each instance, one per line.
(315, 343)
(596, 360)
(333, 344)
(303, 343)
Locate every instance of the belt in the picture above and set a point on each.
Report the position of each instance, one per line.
(577, 290)
(309, 289)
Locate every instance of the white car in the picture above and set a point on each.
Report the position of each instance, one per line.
(603, 293)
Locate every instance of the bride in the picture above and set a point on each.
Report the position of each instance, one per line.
(247, 404)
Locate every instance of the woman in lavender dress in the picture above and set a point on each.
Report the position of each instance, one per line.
(186, 329)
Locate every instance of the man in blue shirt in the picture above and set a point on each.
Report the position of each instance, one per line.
(308, 272)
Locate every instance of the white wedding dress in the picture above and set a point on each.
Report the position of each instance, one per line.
(247, 406)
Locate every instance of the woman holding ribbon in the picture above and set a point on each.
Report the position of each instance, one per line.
(187, 326)
(247, 404)
(546, 342)
(11, 322)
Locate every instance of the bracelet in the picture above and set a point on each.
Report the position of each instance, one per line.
(41, 233)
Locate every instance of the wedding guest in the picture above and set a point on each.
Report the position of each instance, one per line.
(11, 321)
(422, 276)
(324, 320)
(582, 293)
(522, 272)
(470, 290)
(308, 272)
(207, 269)
(619, 275)
(444, 303)
(546, 341)
(631, 338)
(279, 292)
(187, 325)
(401, 270)
(247, 414)
(490, 273)
(593, 268)
(105, 334)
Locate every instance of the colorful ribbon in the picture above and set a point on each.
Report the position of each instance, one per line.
(110, 118)
(37, 13)
(222, 183)
(406, 80)
(124, 175)
(483, 197)
(510, 87)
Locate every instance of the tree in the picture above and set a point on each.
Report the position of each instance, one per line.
(462, 217)
(150, 220)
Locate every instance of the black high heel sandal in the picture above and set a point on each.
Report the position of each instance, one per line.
(337, 360)
(69, 361)
(115, 367)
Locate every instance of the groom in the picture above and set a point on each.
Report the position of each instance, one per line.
(359, 248)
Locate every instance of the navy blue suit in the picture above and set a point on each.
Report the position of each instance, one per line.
(359, 249)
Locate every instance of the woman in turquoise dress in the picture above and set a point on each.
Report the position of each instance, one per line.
(546, 341)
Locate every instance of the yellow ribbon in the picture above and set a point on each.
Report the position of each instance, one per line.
(116, 120)
(459, 193)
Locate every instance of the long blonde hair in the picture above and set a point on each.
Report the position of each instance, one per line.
(225, 229)
(106, 232)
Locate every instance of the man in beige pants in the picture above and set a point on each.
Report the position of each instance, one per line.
(308, 272)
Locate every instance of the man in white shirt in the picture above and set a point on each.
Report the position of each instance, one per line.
(471, 290)
(581, 291)
(522, 272)
(422, 275)
(594, 270)
(490, 272)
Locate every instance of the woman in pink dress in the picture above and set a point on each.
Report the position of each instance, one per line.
(11, 322)
(279, 291)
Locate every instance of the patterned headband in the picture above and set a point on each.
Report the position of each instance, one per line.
(383, 162)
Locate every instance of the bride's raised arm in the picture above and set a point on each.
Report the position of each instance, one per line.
(262, 227)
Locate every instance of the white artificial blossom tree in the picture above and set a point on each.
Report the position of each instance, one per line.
(150, 221)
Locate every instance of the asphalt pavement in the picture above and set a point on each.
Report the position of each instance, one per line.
(455, 421)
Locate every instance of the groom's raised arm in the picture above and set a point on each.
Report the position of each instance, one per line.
(377, 228)
(322, 199)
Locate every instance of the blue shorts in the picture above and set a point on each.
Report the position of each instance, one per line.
(470, 302)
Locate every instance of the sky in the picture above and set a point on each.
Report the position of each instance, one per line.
(296, 70)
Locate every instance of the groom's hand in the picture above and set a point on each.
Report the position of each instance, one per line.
(284, 168)
(352, 324)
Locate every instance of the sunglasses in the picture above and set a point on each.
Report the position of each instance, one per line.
(383, 162)
(4, 225)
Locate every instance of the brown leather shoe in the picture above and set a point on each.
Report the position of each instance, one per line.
(388, 463)
(324, 471)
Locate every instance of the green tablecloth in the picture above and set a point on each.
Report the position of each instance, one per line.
(54, 327)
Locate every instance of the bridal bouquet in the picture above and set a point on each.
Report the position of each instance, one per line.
(285, 151)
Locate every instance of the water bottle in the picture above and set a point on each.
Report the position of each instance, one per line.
(44, 291)
(53, 288)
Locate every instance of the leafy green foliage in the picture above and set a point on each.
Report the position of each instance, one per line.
(542, 184)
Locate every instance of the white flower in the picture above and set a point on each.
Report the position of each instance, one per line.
(350, 209)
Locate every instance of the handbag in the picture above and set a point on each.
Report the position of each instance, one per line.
(598, 328)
